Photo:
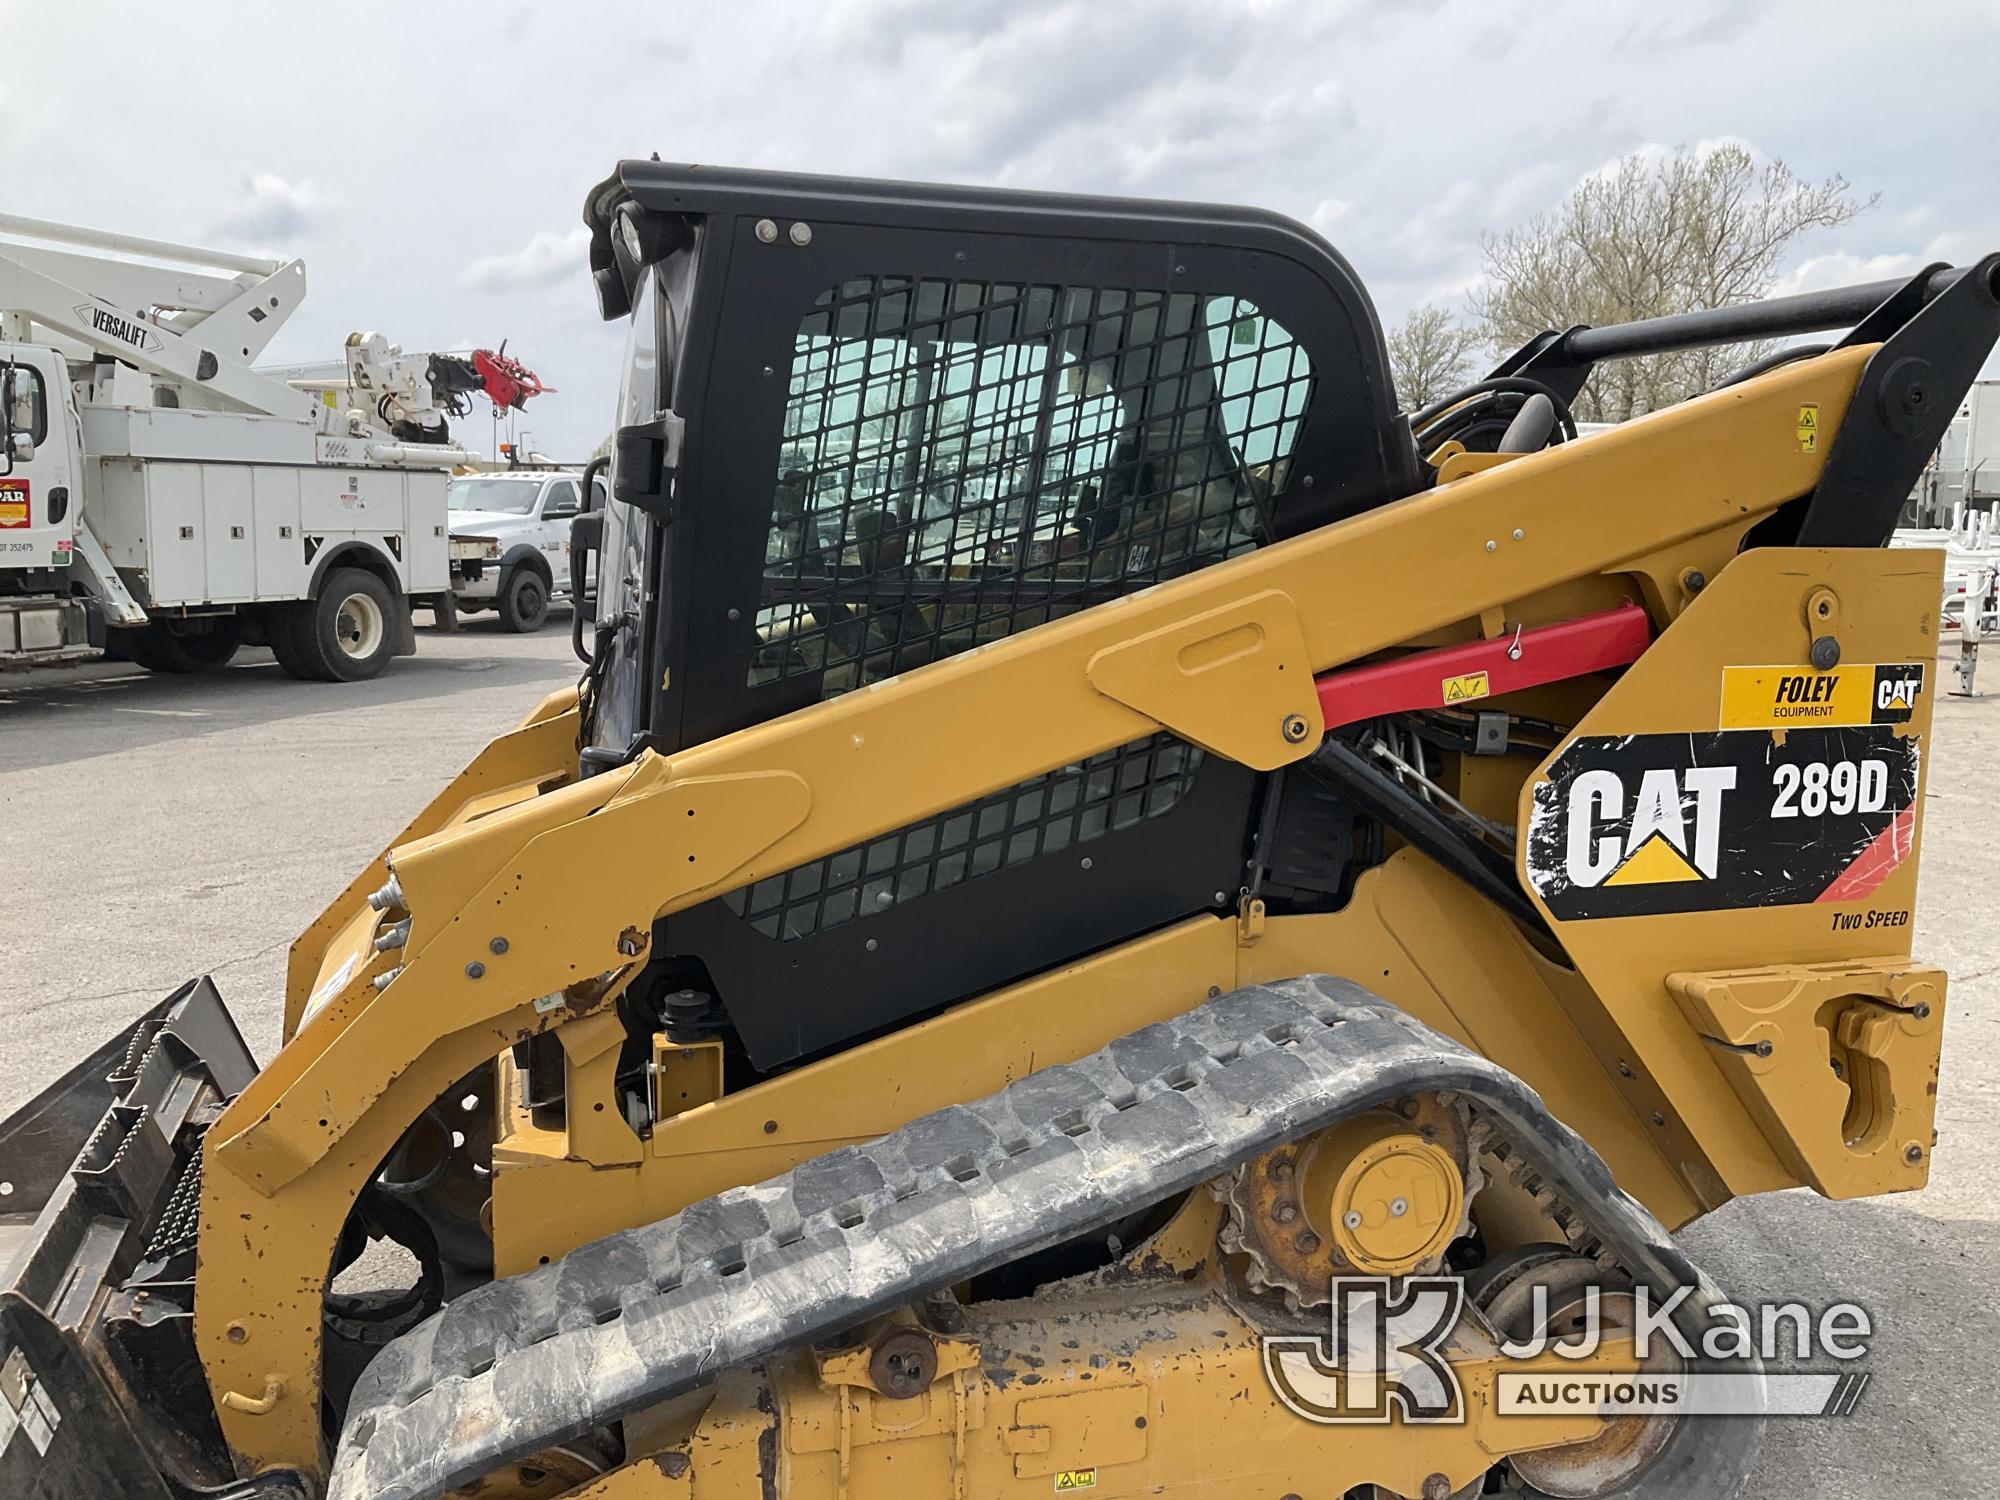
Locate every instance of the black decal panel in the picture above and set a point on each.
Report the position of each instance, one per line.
(1656, 823)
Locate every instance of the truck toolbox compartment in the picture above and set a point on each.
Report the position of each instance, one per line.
(189, 534)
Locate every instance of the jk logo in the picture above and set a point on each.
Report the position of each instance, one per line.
(1667, 828)
(1380, 1355)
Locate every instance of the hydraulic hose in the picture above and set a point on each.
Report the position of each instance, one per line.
(1424, 828)
(1497, 385)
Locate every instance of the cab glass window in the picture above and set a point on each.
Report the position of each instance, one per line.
(500, 495)
(561, 500)
(27, 402)
(964, 460)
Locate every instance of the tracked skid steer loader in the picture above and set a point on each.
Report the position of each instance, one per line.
(1111, 913)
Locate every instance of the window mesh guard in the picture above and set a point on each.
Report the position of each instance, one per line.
(964, 460)
(1043, 815)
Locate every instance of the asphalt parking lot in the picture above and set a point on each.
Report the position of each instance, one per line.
(152, 828)
(156, 827)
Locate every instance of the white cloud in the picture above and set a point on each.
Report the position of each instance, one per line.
(545, 260)
(266, 210)
(1402, 132)
(1655, 152)
(1835, 268)
(1058, 93)
(1446, 230)
(1818, 273)
(1958, 247)
(1688, 26)
(1329, 212)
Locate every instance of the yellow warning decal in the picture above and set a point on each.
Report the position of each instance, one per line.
(1795, 697)
(1808, 427)
(1075, 1479)
(1465, 688)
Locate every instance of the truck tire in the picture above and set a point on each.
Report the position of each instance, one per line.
(342, 634)
(160, 648)
(278, 620)
(523, 600)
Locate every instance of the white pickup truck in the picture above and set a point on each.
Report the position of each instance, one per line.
(510, 541)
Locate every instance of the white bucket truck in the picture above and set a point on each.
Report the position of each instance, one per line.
(164, 501)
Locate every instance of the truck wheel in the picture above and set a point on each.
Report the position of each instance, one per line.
(523, 600)
(160, 648)
(343, 634)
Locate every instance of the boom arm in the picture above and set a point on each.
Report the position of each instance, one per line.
(194, 327)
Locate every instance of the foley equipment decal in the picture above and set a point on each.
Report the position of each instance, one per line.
(1655, 823)
(1797, 697)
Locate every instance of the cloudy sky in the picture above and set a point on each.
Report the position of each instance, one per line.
(429, 162)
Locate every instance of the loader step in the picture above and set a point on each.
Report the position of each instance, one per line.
(628, 1321)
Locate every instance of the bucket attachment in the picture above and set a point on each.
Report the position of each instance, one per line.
(101, 1396)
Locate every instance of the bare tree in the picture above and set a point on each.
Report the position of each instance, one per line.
(1651, 236)
(1430, 355)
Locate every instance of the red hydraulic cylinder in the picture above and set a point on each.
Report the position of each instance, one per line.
(1457, 676)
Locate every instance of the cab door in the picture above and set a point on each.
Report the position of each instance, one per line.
(40, 489)
(560, 501)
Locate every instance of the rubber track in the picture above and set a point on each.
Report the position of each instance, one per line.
(538, 1359)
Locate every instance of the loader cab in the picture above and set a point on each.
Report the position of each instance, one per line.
(38, 467)
(897, 423)
(909, 420)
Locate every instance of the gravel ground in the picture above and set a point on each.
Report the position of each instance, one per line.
(150, 826)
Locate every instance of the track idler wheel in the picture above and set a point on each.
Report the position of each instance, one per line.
(546, 1475)
(1546, 1289)
(1382, 1193)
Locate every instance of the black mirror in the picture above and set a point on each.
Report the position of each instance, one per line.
(591, 484)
